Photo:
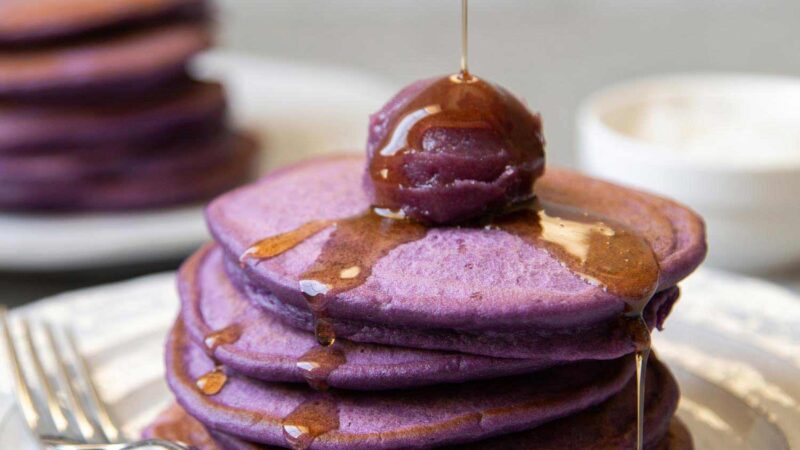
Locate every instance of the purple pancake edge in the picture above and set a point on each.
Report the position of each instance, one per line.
(269, 350)
(440, 415)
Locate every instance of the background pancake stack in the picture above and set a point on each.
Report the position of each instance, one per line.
(461, 337)
(97, 111)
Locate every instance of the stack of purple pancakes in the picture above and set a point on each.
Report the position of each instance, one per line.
(98, 112)
(464, 335)
(324, 318)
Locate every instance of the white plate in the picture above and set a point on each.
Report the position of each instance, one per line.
(733, 342)
(297, 110)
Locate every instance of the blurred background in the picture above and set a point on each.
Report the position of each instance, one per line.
(553, 53)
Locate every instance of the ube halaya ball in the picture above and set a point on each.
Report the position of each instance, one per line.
(452, 149)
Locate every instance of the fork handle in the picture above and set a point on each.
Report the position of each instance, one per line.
(152, 443)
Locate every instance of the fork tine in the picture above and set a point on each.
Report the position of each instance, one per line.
(87, 430)
(109, 429)
(23, 391)
(53, 407)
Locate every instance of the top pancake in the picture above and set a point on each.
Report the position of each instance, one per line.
(27, 21)
(454, 278)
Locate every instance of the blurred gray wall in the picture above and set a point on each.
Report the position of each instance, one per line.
(551, 52)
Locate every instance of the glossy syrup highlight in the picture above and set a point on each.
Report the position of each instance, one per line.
(212, 382)
(225, 336)
(309, 420)
(318, 363)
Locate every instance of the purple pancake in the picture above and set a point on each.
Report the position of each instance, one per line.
(196, 108)
(263, 347)
(440, 415)
(136, 60)
(213, 166)
(467, 289)
(34, 21)
(176, 425)
(611, 424)
(591, 437)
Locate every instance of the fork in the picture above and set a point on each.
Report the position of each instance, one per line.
(67, 414)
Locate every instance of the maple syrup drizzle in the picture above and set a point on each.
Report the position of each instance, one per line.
(641, 371)
(275, 245)
(599, 251)
(346, 258)
(345, 261)
(602, 253)
(310, 420)
(318, 363)
(212, 382)
(225, 336)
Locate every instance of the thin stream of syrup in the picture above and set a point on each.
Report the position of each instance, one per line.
(464, 36)
(641, 371)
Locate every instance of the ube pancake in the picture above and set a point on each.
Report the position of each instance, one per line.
(605, 341)
(135, 60)
(443, 414)
(28, 21)
(610, 424)
(255, 343)
(473, 290)
(115, 127)
(591, 438)
(225, 163)
(176, 425)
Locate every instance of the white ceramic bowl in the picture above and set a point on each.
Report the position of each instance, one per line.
(728, 145)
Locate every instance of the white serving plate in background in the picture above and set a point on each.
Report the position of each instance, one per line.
(750, 200)
(297, 110)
